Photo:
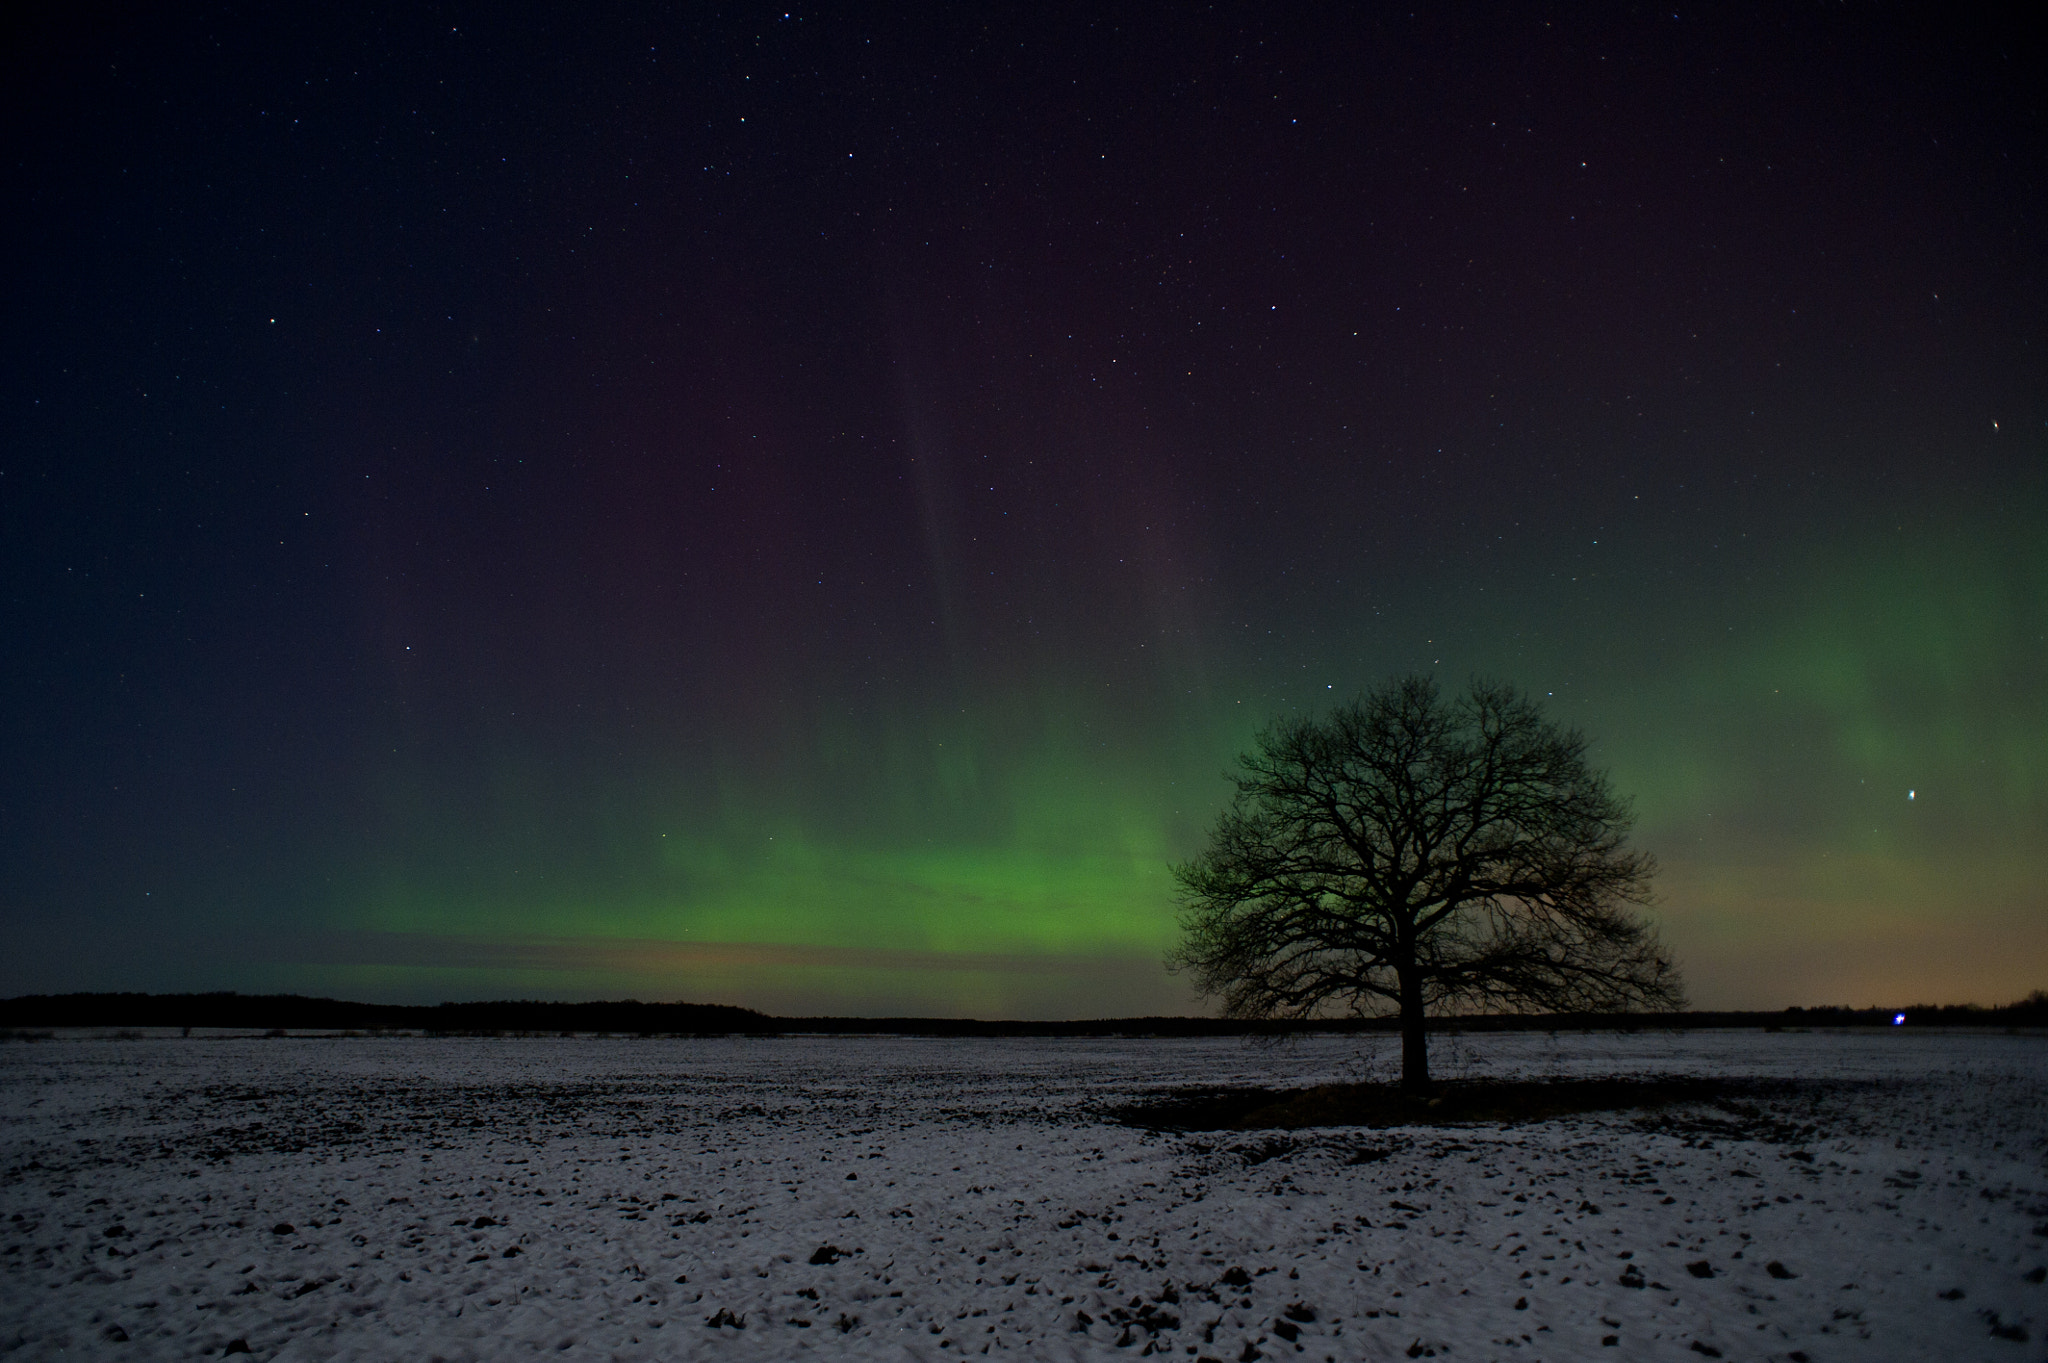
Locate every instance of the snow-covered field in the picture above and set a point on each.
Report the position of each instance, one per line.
(1879, 1196)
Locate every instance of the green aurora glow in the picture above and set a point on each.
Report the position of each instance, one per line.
(986, 867)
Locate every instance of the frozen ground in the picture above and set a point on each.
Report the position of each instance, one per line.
(1878, 1196)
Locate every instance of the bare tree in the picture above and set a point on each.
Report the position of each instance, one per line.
(1413, 855)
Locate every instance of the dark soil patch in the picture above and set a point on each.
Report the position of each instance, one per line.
(1382, 1105)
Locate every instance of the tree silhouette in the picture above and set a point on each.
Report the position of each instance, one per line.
(1414, 855)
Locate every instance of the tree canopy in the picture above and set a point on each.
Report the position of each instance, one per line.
(1415, 855)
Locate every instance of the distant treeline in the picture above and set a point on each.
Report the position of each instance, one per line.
(292, 1012)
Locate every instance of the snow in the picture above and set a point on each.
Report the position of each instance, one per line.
(381, 1197)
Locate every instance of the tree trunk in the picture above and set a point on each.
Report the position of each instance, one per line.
(1414, 1038)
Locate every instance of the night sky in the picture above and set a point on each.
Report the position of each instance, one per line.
(801, 508)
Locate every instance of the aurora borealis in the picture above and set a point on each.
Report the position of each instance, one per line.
(799, 508)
